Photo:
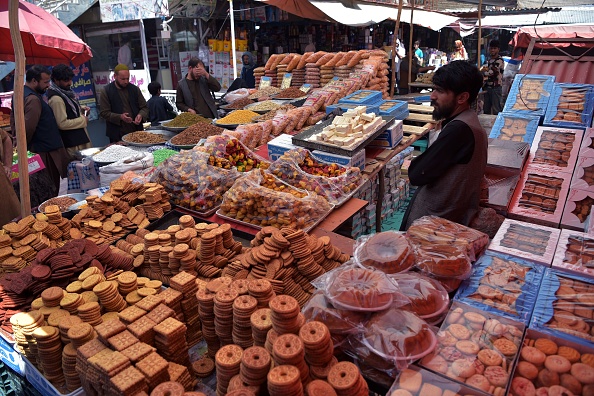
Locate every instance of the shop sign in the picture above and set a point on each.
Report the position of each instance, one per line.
(83, 87)
(184, 58)
(137, 77)
(119, 10)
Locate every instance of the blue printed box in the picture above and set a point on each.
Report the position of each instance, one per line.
(11, 357)
(362, 97)
(279, 145)
(564, 306)
(570, 106)
(503, 284)
(529, 94)
(515, 127)
(357, 160)
(390, 137)
(371, 108)
(392, 107)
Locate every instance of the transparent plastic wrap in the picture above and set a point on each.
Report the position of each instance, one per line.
(393, 338)
(299, 168)
(227, 152)
(428, 298)
(387, 251)
(443, 261)
(417, 381)
(575, 252)
(261, 199)
(339, 321)
(232, 96)
(435, 230)
(192, 182)
(360, 289)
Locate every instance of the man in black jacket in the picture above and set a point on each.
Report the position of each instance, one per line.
(70, 116)
(122, 106)
(194, 91)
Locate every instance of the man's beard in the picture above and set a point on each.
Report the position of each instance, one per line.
(443, 112)
(40, 91)
(119, 85)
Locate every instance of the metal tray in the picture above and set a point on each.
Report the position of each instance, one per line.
(78, 196)
(165, 133)
(228, 126)
(300, 139)
(207, 213)
(245, 223)
(249, 107)
(182, 146)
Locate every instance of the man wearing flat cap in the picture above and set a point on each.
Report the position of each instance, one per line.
(122, 106)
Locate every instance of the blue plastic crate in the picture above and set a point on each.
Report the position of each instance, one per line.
(556, 100)
(535, 92)
(392, 107)
(402, 115)
(362, 97)
(371, 108)
(521, 302)
(424, 98)
(515, 127)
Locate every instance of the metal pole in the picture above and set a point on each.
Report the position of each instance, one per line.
(231, 17)
(18, 103)
(396, 28)
(480, 34)
(410, 46)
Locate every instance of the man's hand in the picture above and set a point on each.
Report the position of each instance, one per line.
(8, 171)
(192, 111)
(126, 118)
(138, 119)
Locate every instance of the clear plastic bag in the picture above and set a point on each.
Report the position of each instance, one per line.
(232, 96)
(194, 183)
(443, 261)
(263, 200)
(428, 298)
(226, 152)
(300, 169)
(388, 251)
(339, 321)
(434, 230)
(354, 288)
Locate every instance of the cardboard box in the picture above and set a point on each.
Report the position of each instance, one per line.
(10, 356)
(507, 154)
(357, 160)
(501, 184)
(560, 107)
(578, 209)
(575, 253)
(362, 97)
(392, 107)
(34, 165)
(540, 197)
(520, 99)
(526, 240)
(583, 174)
(555, 149)
(390, 137)
(279, 145)
(587, 146)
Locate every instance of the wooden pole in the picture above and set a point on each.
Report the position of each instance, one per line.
(480, 34)
(396, 29)
(18, 103)
(410, 46)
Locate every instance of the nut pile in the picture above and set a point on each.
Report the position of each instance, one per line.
(270, 115)
(290, 93)
(193, 134)
(266, 105)
(237, 117)
(268, 91)
(145, 138)
(113, 153)
(239, 103)
(185, 120)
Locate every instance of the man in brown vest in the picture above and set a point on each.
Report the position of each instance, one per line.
(450, 172)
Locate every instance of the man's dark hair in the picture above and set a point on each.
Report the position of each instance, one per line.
(154, 88)
(458, 77)
(62, 72)
(494, 44)
(34, 73)
(193, 62)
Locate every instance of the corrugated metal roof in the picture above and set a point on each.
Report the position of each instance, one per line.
(565, 71)
(572, 15)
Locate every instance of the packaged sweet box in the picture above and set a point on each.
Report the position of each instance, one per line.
(392, 107)
(417, 381)
(540, 196)
(555, 149)
(503, 284)
(553, 365)
(515, 127)
(570, 105)
(583, 174)
(471, 341)
(587, 147)
(575, 253)
(564, 306)
(362, 97)
(578, 208)
(529, 94)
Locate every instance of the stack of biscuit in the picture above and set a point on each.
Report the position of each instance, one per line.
(181, 374)
(170, 341)
(186, 284)
(312, 75)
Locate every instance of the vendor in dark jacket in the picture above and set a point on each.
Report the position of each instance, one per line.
(194, 91)
(450, 172)
(122, 106)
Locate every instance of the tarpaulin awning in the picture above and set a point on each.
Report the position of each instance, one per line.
(525, 34)
(301, 8)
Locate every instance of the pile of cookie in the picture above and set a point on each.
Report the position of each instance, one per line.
(476, 348)
(530, 91)
(514, 128)
(526, 239)
(549, 364)
(570, 105)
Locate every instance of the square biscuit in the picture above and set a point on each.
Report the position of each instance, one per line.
(129, 381)
(171, 297)
(143, 329)
(169, 329)
(152, 366)
(109, 329)
(130, 314)
(182, 281)
(138, 351)
(90, 349)
(160, 313)
(112, 364)
(149, 303)
(123, 340)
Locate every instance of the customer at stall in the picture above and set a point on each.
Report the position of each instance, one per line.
(10, 201)
(460, 52)
(194, 92)
(122, 106)
(43, 135)
(418, 53)
(71, 117)
(493, 74)
(247, 71)
(449, 173)
(159, 107)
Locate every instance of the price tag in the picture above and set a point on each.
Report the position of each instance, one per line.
(286, 81)
(305, 88)
(265, 82)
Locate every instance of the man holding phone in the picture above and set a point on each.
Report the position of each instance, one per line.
(71, 117)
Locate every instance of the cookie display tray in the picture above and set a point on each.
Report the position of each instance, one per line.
(526, 295)
(530, 121)
(41, 383)
(432, 382)
(206, 213)
(245, 223)
(546, 131)
(301, 139)
(554, 101)
(578, 267)
(587, 146)
(577, 202)
(540, 106)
